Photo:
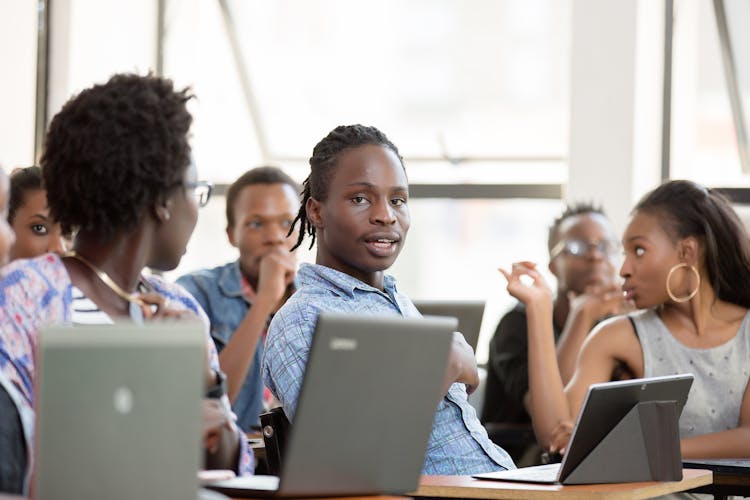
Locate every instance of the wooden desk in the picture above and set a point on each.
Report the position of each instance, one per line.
(468, 487)
(350, 498)
(727, 484)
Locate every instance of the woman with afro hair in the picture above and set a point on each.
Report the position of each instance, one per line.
(118, 174)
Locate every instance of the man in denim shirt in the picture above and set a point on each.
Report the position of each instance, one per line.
(240, 297)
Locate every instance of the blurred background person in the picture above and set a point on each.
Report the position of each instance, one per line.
(28, 215)
(583, 251)
(241, 296)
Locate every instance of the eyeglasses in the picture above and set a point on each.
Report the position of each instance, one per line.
(581, 248)
(201, 191)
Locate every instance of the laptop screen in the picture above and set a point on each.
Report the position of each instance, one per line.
(118, 411)
(468, 312)
(367, 403)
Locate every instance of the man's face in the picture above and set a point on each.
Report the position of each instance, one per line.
(584, 254)
(363, 222)
(263, 214)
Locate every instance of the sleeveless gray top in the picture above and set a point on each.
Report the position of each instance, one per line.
(721, 373)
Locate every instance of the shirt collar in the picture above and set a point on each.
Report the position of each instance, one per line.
(230, 280)
(326, 277)
(248, 292)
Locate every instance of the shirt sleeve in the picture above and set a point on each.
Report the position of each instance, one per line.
(191, 286)
(286, 351)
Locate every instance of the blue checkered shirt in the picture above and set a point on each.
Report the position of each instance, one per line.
(458, 443)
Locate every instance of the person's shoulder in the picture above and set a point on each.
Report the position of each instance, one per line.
(206, 276)
(614, 329)
(299, 305)
(615, 323)
(35, 275)
(38, 289)
(314, 292)
(513, 317)
(175, 292)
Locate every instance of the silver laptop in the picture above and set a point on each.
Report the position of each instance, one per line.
(365, 411)
(118, 411)
(606, 406)
(468, 312)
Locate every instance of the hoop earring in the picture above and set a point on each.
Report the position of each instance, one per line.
(691, 294)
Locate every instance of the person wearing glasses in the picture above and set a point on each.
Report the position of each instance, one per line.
(117, 168)
(686, 266)
(583, 251)
(241, 296)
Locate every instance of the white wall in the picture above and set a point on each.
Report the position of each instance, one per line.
(615, 112)
(18, 82)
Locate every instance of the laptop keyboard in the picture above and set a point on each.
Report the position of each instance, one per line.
(537, 474)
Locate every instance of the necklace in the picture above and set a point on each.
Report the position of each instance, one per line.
(104, 277)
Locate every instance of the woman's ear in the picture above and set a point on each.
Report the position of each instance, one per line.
(314, 211)
(162, 211)
(689, 250)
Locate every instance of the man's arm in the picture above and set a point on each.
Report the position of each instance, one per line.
(286, 352)
(275, 276)
(462, 365)
(733, 442)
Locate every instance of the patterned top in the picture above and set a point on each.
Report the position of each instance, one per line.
(458, 443)
(38, 292)
(721, 373)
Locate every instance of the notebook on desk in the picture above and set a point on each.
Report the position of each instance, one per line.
(468, 312)
(610, 440)
(118, 411)
(365, 410)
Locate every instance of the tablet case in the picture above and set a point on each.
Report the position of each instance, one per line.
(643, 446)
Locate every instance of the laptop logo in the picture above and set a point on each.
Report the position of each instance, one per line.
(123, 400)
(342, 344)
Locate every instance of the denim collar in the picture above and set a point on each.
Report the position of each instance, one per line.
(230, 280)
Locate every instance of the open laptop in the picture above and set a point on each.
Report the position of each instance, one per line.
(468, 312)
(118, 411)
(365, 411)
(605, 407)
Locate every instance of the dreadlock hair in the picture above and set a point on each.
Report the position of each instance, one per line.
(323, 163)
(114, 150)
(684, 209)
(257, 175)
(571, 210)
(22, 180)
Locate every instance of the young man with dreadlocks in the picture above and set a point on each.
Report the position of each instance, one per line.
(582, 247)
(355, 206)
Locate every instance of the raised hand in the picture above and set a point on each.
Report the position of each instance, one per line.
(534, 290)
(276, 273)
(600, 301)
